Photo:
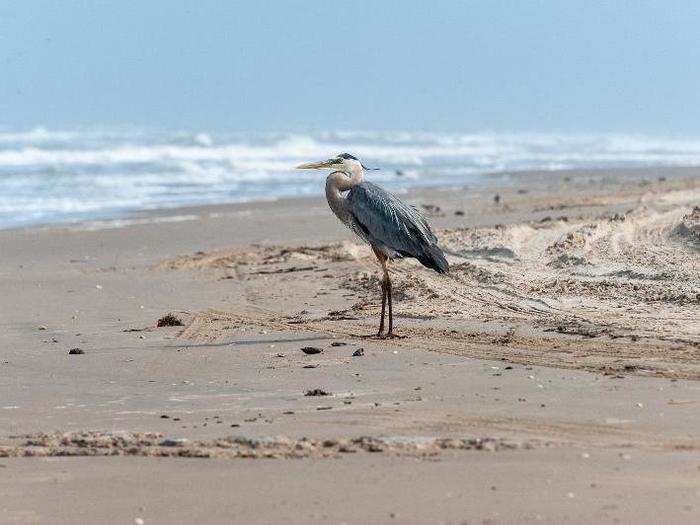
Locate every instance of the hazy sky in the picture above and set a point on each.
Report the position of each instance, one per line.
(294, 65)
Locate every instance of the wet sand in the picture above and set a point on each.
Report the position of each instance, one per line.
(552, 375)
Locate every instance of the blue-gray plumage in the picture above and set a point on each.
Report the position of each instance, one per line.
(391, 227)
(394, 227)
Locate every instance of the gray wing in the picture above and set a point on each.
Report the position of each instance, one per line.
(387, 222)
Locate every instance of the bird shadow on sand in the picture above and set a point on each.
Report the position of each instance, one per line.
(244, 342)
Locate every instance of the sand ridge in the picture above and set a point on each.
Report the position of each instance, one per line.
(617, 293)
(156, 444)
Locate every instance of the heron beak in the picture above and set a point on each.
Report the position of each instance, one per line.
(315, 165)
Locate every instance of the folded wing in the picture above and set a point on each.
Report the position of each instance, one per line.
(390, 224)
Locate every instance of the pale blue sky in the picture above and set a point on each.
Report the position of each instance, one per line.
(628, 66)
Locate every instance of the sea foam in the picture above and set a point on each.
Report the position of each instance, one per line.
(63, 175)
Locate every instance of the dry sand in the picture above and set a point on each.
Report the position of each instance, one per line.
(551, 376)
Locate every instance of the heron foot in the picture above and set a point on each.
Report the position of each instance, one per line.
(392, 335)
(381, 336)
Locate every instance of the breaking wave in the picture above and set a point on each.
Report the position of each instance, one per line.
(54, 175)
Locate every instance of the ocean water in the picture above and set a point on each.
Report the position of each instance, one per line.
(50, 176)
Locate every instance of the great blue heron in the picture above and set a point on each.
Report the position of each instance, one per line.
(390, 226)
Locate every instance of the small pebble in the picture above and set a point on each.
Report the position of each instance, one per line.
(75, 351)
(359, 352)
(174, 442)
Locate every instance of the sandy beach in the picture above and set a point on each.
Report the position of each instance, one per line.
(551, 376)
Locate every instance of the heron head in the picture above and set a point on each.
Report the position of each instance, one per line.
(344, 162)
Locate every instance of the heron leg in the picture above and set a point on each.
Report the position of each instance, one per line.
(385, 279)
(381, 322)
(390, 331)
(387, 286)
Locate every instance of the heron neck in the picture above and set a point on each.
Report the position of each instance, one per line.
(337, 183)
(340, 181)
(357, 174)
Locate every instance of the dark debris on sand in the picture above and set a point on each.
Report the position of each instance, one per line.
(316, 392)
(311, 350)
(169, 320)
